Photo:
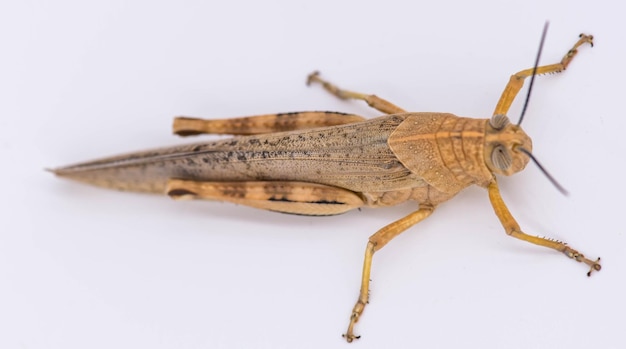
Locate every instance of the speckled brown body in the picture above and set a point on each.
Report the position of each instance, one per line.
(286, 163)
(427, 157)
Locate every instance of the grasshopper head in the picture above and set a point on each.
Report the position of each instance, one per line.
(504, 143)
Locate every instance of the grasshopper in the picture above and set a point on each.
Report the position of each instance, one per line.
(326, 163)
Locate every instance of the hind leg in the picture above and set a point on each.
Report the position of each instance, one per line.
(252, 125)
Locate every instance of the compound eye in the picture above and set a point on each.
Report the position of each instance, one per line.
(501, 158)
(498, 121)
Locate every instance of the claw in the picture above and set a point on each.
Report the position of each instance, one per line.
(350, 337)
(579, 257)
(354, 318)
(586, 38)
(312, 77)
(595, 266)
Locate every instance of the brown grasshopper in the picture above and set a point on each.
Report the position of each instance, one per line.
(327, 163)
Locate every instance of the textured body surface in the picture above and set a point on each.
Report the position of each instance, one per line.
(353, 156)
(446, 150)
(279, 163)
(361, 157)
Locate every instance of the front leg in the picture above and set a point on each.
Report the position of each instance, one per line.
(517, 80)
(513, 229)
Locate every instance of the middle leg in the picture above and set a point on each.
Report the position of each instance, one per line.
(372, 100)
(376, 242)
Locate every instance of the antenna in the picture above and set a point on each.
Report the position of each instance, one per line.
(545, 172)
(532, 78)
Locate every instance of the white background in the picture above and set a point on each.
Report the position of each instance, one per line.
(82, 267)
